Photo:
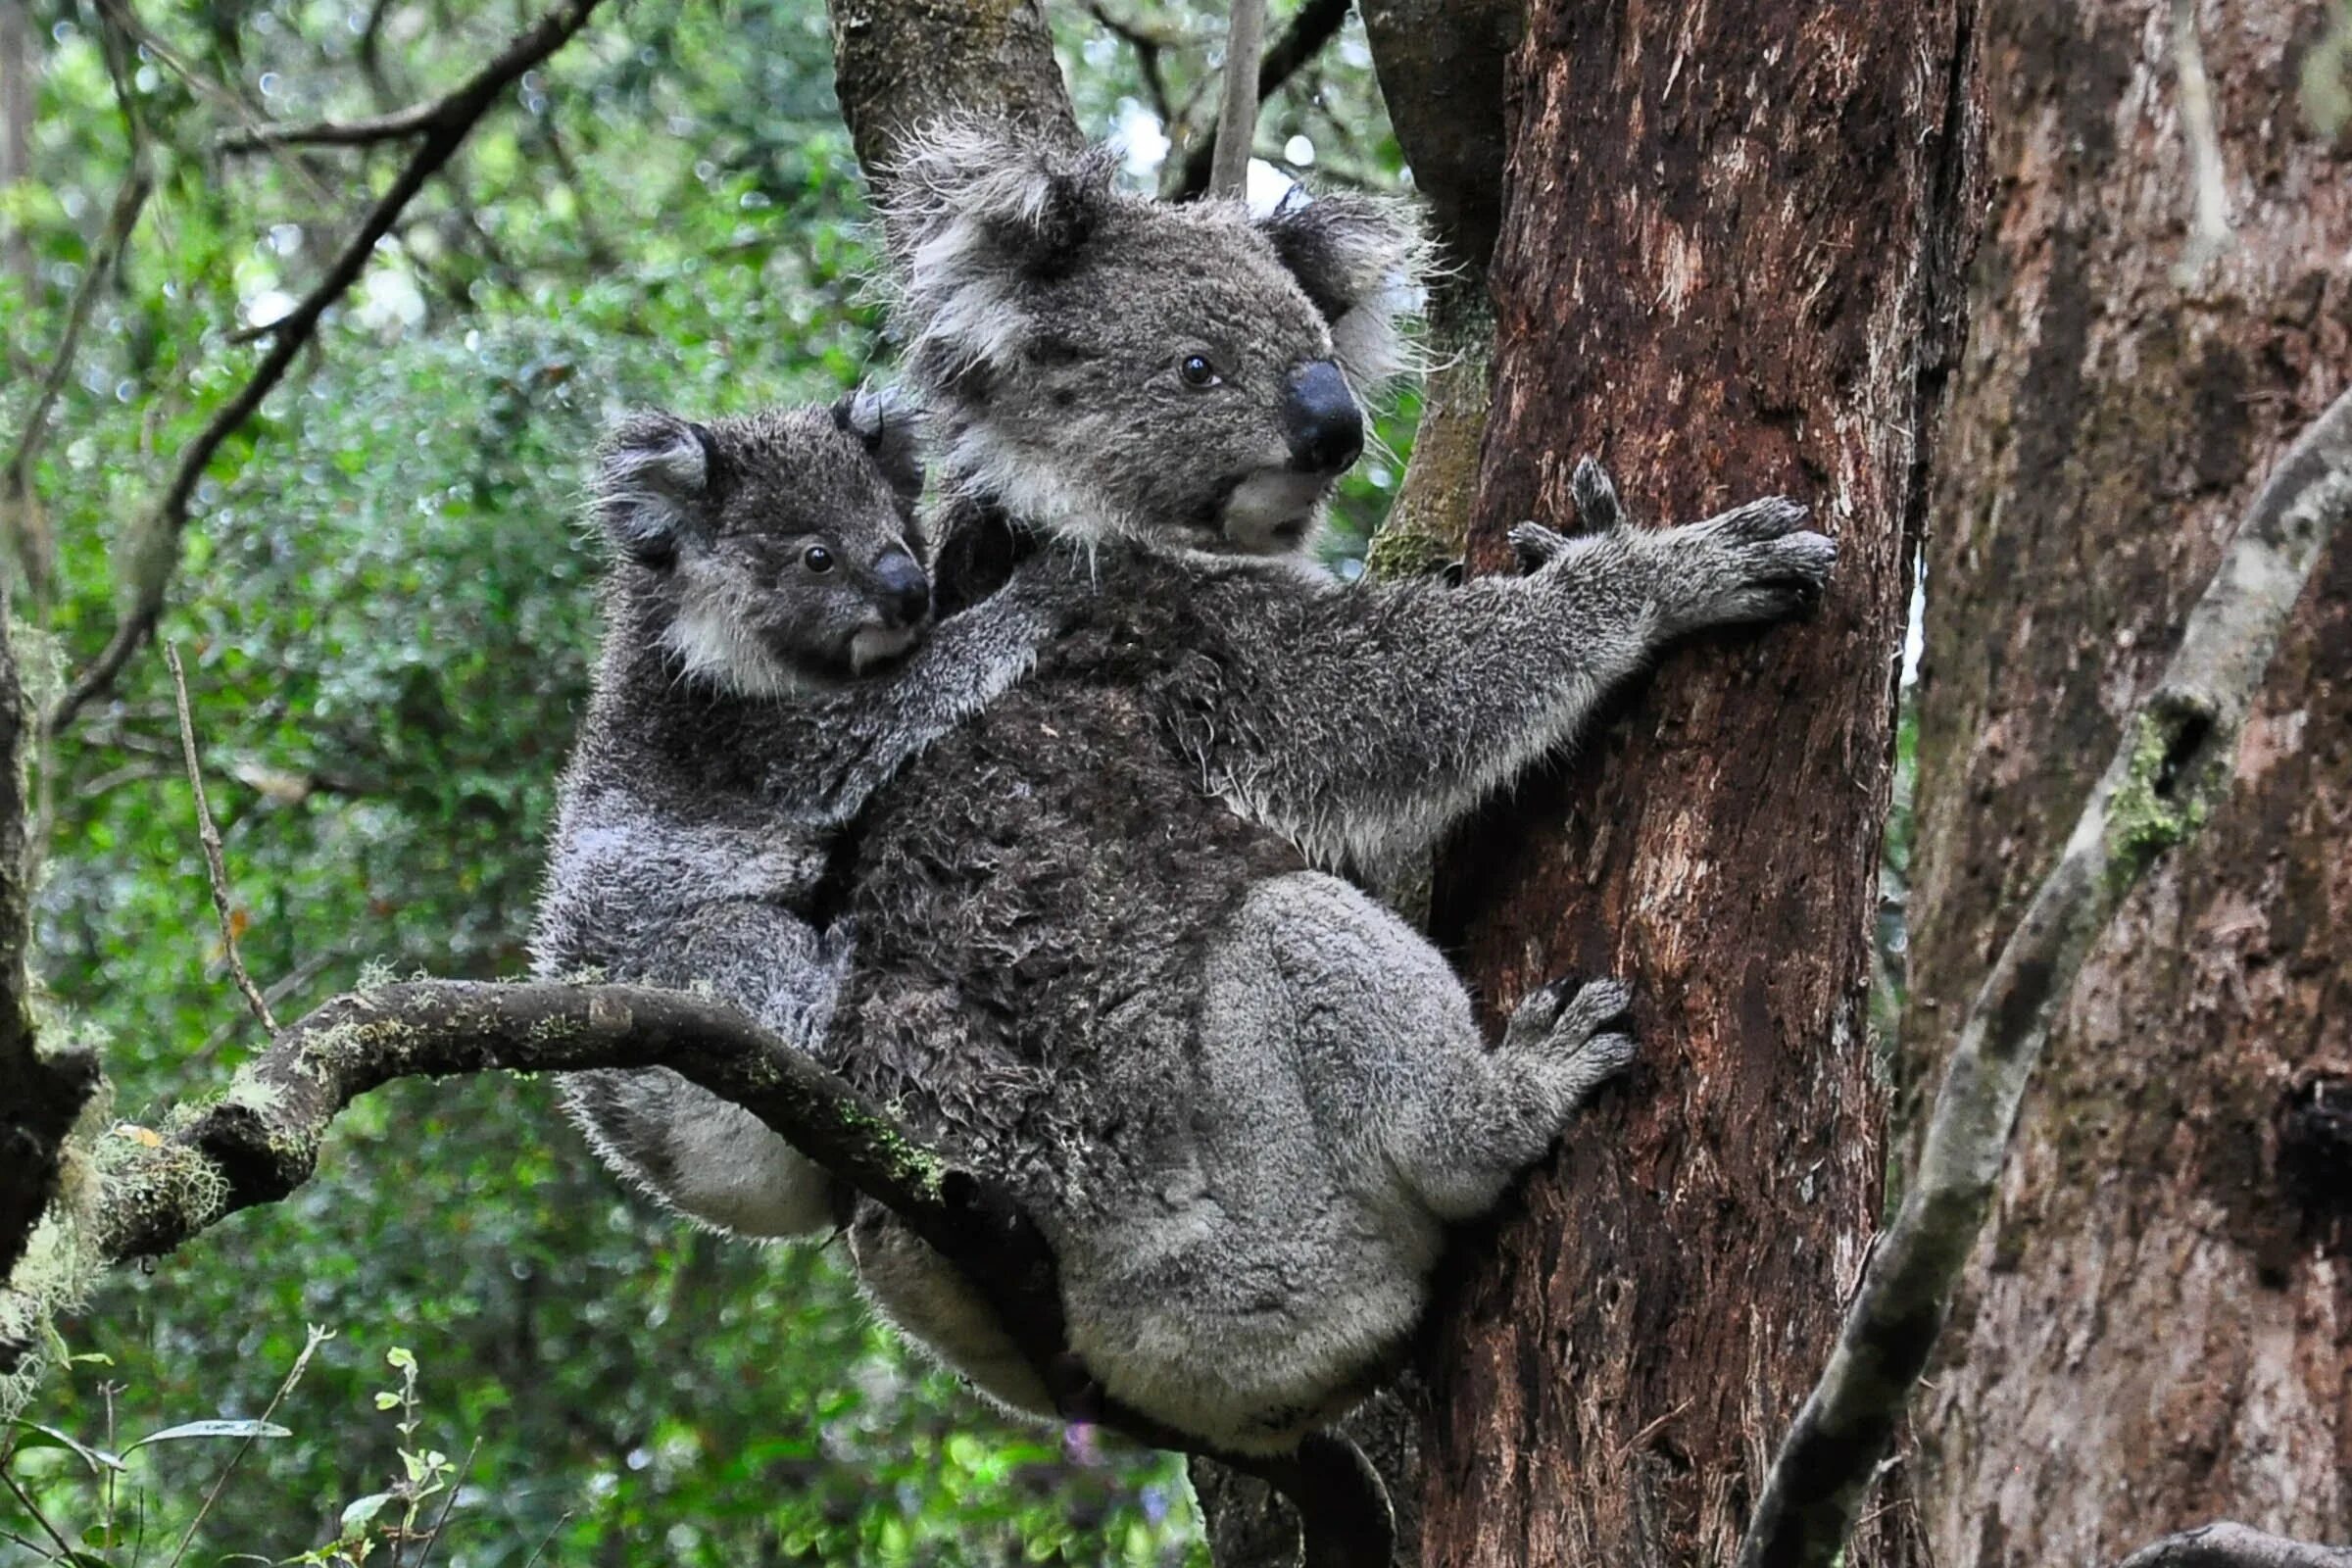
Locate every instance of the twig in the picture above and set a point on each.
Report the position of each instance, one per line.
(398, 126)
(540, 1551)
(1237, 112)
(1309, 30)
(448, 1500)
(2233, 1545)
(157, 537)
(1148, 44)
(208, 834)
(38, 1517)
(277, 991)
(2172, 765)
(318, 1337)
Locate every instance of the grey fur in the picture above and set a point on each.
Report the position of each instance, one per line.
(1101, 959)
(738, 722)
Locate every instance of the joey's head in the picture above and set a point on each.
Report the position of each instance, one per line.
(1102, 363)
(774, 552)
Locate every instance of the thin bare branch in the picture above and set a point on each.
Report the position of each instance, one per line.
(208, 833)
(398, 126)
(1317, 22)
(155, 540)
(309, 1348)
(1236, 110)
(1147, 43)
(2174, 764)
(2233, 1545)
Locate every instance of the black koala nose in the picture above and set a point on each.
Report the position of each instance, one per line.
(905, 591)
(1320, 420)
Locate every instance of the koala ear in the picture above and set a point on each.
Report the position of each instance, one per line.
(976, 209)
(885, 422)
(1360, 258)
(654, 473)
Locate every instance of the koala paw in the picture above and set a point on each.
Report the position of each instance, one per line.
(1577, 1034)
(1751, 563)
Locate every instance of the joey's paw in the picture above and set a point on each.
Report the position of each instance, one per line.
(1596, 506)
(1536, 546)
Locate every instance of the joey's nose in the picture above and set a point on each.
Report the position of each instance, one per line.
(1320, 419)
(905, 591)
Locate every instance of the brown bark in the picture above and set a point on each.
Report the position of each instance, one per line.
(1726, 264)
(2158, 1327)
(897, 64)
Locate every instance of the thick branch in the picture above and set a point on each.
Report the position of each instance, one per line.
(2228, 1546)
(153, 543)
(2174, 761)
(260, 1141)
(41, 1093)
(898, 65)
(1316, 22)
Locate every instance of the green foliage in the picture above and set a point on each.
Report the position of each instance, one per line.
(387, 613)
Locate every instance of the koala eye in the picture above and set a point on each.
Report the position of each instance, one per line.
(816, 558)
(1197, 373)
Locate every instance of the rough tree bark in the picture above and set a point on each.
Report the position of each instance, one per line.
(900, 63)
(1727, 266)
(2158, 1326)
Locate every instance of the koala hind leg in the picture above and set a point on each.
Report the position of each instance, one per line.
(1393, 1062)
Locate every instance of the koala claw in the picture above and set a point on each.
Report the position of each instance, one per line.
(1597, 503)
(1563, 1019)
(1536, 545)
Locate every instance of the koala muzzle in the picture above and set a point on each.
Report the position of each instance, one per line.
(1320, 420)
(905, 593)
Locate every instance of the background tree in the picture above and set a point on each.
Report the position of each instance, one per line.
(2155, 1328)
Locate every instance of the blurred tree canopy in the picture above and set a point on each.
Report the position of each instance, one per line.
(387, 613)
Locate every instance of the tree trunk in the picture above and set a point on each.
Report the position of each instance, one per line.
(2157, 1329)
(900, 63)
(1727, 265)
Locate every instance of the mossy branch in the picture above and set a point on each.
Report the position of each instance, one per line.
(260, 1141)
(2174, 764)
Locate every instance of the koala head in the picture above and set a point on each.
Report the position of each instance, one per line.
(774, 552)
(1100, 363)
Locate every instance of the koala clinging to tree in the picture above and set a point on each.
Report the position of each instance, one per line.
(1101, 961)
(765, 569)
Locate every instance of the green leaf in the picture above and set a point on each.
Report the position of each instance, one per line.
(361, 1512)
(42, 1437)
(213, 1429)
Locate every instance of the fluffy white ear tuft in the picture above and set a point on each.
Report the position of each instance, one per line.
(1361, 259)
(653, 471)
(975, 207)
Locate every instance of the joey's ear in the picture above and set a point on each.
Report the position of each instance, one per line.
(1360, 258)
(976, 212)
(654, 473)
(885, 422)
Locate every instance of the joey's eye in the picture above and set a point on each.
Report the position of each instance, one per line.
(816, 558)
(1197, 371)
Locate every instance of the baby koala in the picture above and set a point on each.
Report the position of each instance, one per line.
(765, 593)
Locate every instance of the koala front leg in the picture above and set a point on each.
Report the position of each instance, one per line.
(1363, 724)
(705, 1157)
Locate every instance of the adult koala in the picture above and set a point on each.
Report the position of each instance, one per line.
(1098, 963)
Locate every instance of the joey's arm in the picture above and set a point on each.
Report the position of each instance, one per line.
(1363, 723)
(846, 744)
